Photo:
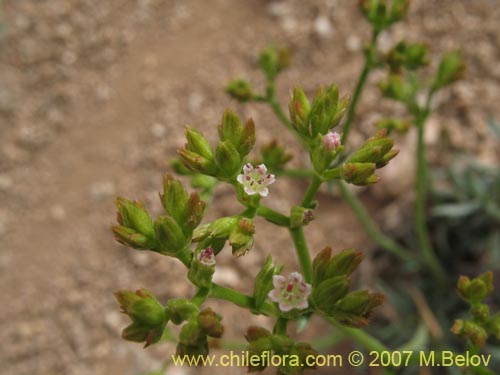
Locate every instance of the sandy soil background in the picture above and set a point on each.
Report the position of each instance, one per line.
(93, 99)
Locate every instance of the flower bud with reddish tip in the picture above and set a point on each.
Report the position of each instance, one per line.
(202, 268)
(148, 316)
(299, 108)
(300, 216)
(210, 324)
(264, 282)
(477, 289)
(136, 227)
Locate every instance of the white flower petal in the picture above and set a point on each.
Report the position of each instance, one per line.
(240, 178)
(264, 192)
(249, 190)
(279, 281)
(285, 307)
(274, 295)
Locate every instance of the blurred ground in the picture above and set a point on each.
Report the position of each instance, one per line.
(93, 99)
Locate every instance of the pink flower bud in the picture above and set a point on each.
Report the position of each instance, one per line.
(331, 141)
(207, 257)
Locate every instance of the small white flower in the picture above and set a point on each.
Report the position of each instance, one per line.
(207, 257)
(255, 180)
(331, 141)
(290, 293)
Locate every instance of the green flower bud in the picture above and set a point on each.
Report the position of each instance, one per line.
(396, 88)
(299, 108)
(470, 330)
(281, 344)
(129, 237)
(174, 198)
(180, 310)
(326, 149)
(192, 351)
(305, 351)
(195, 208)
(197, 163)
(320, 265)
(359, 173)
(386, 158)
(191, 334)
(356, 308)
(136, 227)
(197, 143)
(202, 268)
(272, 61)
(451, 69)
(169, 235)
(255, 333)
(240, 89)
(248, 138)
(264, 282)
(494, 326)
(480, 312)
(147, 311)
(255, 349)
(399, 10)
(300, 216)
(228, 159)
(324, 110)
(209, 322)
(393, 124)
(328, 292)
(241, 237)
(344, 263)
(180, 168)
(231, 128)
(477, 289)
(220, 228)
(148, 316)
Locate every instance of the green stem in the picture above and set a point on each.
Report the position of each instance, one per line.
(296, 173)
(273, 216)
(280, 326)
(370, 227)
(302, 252)
(200, 296)
(421, 201)
(185, 256)
(351, 112)
(359, 336)
(311, 191)
(273, 102)
(239, 299)
(354, 101)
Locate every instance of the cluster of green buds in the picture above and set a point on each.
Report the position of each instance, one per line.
(193, 338)
(482, 323)
(235, 142)
(375, 153)
(405, 88)
(262, 343)
(237, 230)
(409, 56)
(169, 234)
(272, 61)
(330, 289)
(313, 121)
(383, 13)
